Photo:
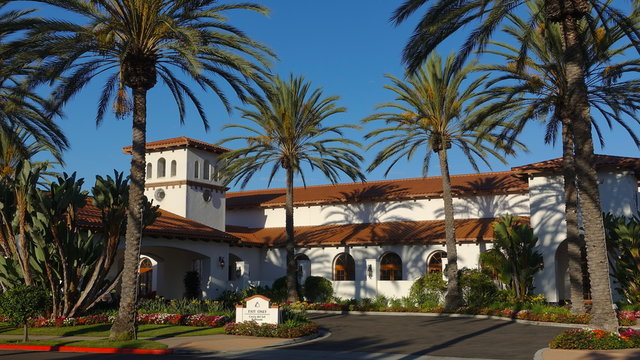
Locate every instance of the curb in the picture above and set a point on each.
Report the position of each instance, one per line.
(538, 354)
(491, 317)
(87, 349)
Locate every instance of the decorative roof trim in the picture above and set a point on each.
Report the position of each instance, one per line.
(178, 143)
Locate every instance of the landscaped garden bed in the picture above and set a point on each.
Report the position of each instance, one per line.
(579, 339)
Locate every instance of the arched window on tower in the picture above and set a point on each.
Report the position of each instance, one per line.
(196, 169)
(390, 267)
(434, 262)
(206, 170)
(344, 268)
(149, 170)
(174, 168)
(162, 166)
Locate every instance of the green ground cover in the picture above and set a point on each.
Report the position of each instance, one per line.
(102, 330)
(132, 344)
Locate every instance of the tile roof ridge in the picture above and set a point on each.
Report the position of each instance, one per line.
(505, 172)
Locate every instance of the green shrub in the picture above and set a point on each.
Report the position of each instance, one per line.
(591, 340)
(478, 290)
(279, 290)
(286, 330)
(428, 290)
(230, 298)
(21, 303)
(381, 302)
(191, 285)
(318, 289)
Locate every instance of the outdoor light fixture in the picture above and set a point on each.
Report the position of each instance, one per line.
(370, 271)
(221, 261)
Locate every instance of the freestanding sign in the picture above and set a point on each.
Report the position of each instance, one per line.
(259, 310)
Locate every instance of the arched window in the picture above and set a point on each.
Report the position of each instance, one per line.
(196, 169)
(146, 277)
(434, 263)
(233, 272)
(174, 166)
(162, 165)
(149, 170)
(344, 268)
(205, 170)
(390, 267)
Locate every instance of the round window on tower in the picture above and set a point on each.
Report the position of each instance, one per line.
(159, 194)
(206, 195)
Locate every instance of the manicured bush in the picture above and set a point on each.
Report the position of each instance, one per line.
(286, 330)
(317, 289)
(595, 340)
(21, 303)
(279, 290)
(478, 290)
(428, 290)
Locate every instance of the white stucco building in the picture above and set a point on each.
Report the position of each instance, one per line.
(368, 238)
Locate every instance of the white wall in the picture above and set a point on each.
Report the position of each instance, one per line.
(269, 264)
(472, 207)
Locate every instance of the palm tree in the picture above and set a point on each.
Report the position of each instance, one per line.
(134, 43)
(513, 256)
(21, 107)
(431, 113)
(538, 90)
(445, 17)
(287, 132)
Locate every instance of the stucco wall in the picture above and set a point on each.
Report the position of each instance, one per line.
(485, 206)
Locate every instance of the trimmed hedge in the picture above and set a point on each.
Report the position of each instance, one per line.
(251, 328)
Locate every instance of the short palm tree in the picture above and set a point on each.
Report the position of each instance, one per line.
(134, 43)
(431, 114)
(288, 132)
(538, 90)
(445, 17)
(513, 256)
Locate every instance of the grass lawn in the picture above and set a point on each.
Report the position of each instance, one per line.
(132, 344)
(102, 330)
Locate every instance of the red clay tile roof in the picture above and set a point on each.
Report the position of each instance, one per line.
(602, 162)
(388, 233)
(167, 225)
(179, 142)
(496, 182)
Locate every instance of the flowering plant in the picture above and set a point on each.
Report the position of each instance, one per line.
(596, 340)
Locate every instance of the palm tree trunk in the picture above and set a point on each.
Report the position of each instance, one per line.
(452, 299)
(124, 327)
(292, 278)
(571, 214)
(602, 314)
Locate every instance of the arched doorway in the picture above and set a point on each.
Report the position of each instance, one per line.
(234, 274)
(145, 279)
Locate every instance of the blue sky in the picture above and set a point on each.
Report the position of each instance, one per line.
(345, 47)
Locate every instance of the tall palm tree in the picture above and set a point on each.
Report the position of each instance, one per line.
(445, 17)
(431, 112)
(21, 106)
(287, 132)
(538, 90)
(134, 43)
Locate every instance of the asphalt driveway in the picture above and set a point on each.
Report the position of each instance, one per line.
(434, 336)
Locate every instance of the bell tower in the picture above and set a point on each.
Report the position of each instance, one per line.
(182, 177)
